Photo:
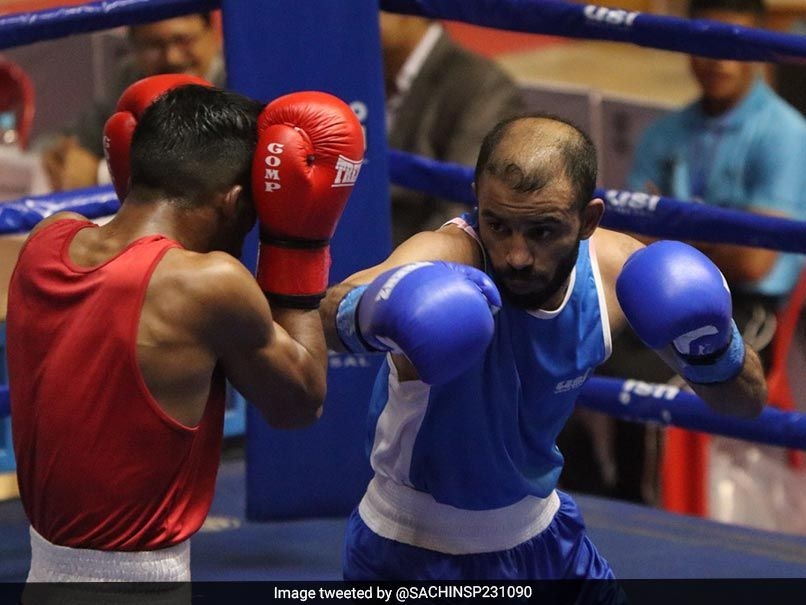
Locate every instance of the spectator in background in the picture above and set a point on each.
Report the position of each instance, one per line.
(738, 146)
(189, 44)
(441, 99)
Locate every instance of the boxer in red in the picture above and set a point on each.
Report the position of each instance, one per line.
(120, 337)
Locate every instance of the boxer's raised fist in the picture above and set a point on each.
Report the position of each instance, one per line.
(119, 128)
(438, 314)
(672, 294)
(309, 153)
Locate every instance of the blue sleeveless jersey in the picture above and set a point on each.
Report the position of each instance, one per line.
(487, 439)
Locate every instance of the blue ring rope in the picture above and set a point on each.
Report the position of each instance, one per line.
(593, 22)
(17, 29)
(667, 405)
(653, 215)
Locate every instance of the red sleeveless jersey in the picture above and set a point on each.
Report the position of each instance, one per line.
(99, 463)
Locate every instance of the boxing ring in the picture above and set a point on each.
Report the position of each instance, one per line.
(279, 511)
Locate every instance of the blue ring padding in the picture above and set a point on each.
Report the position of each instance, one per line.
(557, 18)
(637, 401)
(657, 216)
(18, 29)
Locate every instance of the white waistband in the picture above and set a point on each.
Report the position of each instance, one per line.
(398, 512)
(53, 563)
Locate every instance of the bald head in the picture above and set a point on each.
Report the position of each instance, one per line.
(528, 152)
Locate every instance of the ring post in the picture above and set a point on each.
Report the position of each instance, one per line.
(273, 48)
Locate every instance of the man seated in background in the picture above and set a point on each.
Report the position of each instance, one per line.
(189, 44)
(440, 101)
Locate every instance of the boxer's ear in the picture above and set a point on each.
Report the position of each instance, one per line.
(591, 215)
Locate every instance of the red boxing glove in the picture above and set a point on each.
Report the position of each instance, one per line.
(309, 152)
(119, 128)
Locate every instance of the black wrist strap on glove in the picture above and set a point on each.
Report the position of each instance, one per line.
(311, 301)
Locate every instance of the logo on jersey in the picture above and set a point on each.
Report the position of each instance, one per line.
(346, 172)
(571, 384)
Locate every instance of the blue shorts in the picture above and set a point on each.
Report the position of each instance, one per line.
(561, 551)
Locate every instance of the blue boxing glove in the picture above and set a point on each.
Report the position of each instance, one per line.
(438, 314)
(671, 293)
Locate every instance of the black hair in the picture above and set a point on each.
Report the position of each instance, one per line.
(576, 152)
(195, 141)
(753, 7)
(205, 16)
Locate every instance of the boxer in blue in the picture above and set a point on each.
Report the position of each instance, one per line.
(492, 324)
